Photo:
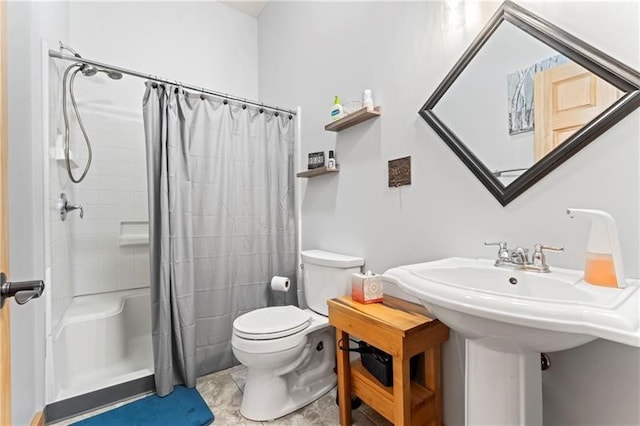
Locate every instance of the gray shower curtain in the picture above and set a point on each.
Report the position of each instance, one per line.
(221, 219)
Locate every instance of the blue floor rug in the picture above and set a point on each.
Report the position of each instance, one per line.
(182, 407)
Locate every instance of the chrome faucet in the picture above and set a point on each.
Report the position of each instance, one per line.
(64, 207)
(518, 258)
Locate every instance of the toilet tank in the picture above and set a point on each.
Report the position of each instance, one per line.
(327, 275)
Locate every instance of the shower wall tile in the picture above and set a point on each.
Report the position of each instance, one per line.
(126, 282)
(127, 267)
(85, 255)
(88, 196)
(114, 191)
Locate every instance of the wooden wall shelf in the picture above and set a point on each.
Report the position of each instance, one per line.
(317, 172)
(364, 114)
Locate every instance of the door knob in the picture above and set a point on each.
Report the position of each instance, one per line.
(23, 291)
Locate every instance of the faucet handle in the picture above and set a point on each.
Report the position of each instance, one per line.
(64, 207)
(539, 260)
(538, 248)
(503, 252)
(502, 244)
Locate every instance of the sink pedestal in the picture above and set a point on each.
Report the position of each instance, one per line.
(503, 384)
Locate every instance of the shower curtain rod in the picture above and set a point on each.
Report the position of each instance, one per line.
(59, 55)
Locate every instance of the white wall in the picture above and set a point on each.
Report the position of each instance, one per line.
(201, 43)
(311, 51)
(27, 24)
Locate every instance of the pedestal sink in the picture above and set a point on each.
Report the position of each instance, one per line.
(508, 317)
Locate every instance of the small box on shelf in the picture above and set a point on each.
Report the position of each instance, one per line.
(316, 160)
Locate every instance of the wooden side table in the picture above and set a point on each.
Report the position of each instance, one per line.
(402, 329)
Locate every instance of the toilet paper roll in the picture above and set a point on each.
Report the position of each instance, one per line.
(280, 283)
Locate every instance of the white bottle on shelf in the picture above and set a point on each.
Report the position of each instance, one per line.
(367, 98)
(337, 111)
(331, 162)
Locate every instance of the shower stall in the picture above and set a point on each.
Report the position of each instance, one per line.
(97, 253)
(99, 309)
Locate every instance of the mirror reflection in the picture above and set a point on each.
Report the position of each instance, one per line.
(518, 99)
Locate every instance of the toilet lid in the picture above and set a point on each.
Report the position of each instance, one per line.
(271, 323)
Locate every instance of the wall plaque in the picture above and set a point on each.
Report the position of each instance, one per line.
(399, 172)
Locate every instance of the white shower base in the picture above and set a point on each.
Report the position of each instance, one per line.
(102, 340)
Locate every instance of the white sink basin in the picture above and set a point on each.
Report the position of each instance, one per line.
(543, 312)
(508, 317)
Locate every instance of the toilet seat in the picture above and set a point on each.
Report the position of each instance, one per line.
(271, 323)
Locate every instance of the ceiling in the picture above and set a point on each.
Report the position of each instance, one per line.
(253, 8)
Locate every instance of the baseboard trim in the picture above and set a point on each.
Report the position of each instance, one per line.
(93, 400)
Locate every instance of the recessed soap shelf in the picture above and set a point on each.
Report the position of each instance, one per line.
(134, 233)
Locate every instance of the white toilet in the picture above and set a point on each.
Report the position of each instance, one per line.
(290, 352)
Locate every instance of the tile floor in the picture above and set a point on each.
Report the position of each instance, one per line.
(222, 392)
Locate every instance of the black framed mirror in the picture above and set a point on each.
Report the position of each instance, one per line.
(514, 118)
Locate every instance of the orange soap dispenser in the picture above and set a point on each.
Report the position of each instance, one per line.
(603, 263)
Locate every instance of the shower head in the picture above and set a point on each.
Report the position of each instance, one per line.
(88, 70)
(112, 74)
(115, 75)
